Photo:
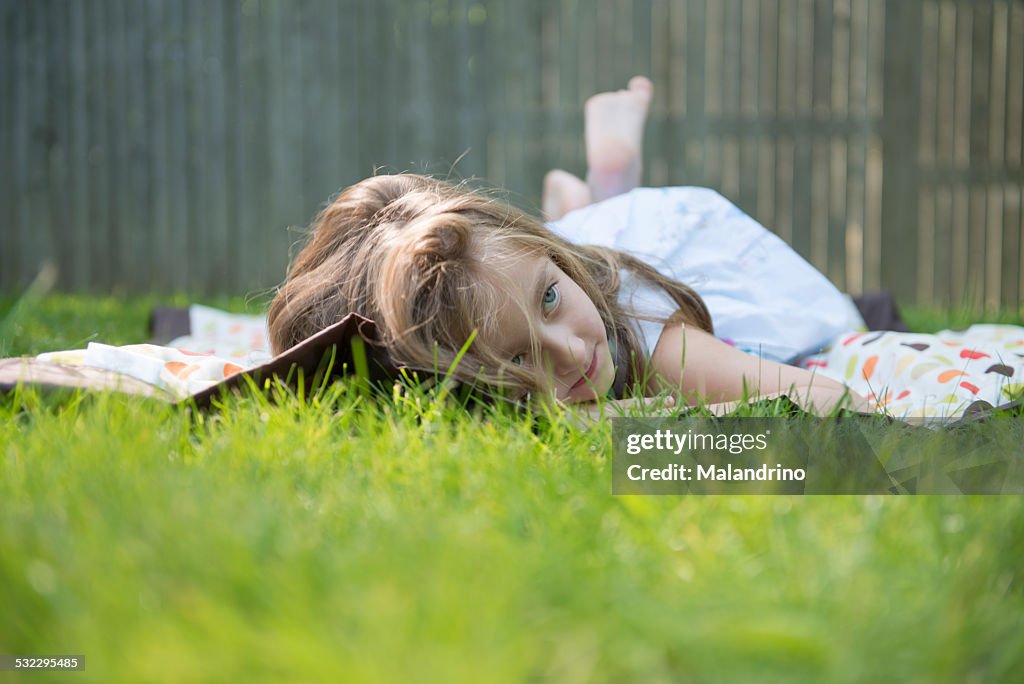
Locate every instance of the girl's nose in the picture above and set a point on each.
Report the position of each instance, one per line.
(566, 352)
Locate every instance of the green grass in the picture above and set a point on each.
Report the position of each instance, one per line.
(933, 320)
(354, 539)
(32, 325)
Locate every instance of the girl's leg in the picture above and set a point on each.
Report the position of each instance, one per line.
(614, 135)
(563, 192)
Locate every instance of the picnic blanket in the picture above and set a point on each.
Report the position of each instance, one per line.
(931, 377)
(219, 345)
(913, 377)
(219, 359)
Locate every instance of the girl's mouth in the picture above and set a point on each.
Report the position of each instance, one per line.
(589, 375)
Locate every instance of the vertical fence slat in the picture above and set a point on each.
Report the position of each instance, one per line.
(662, 52)
(349, 100)
(196, 137)
(552, 100)
(1010, 265)
(155, 141)
(9, 277)
(945, 244)
(415, 113)
(1015, 87)
(944, 77)
(860, 57)
(182, 240)
(837, 203)
(78, 271)
(787, 76)
(994, 247)
(926, 233)
(390, 80)
(929, 83)
(100, 237)
(21, 82)
(960, 215)
(368, 94)
(981, 92)
(215, 79)
(899, 191)
(785, 113)
(747, 106)
(712, 76)
(675, 76)
(58, 116)
(473, 89)
(252, 160)
(784, 167)
(695, 26)
(232, 123)
(569, 152)
(873, 211)
(444, 75)
(115, 154)
(1020, 238)
(320, 76)
(819, 200)
(1015, 227)
(977, 214)
(842, 63)
(136, 242)
(860, 70)
(284, 140)
(997, 85)
(39, 133)
(962, 87)
(803, 143)
(767, 57)
(821, 38)
(854, 237)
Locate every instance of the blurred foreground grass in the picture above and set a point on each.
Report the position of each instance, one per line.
(354, 540)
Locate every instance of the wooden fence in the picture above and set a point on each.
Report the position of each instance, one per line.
(167, 145)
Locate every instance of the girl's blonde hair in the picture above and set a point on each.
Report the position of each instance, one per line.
(411, 252)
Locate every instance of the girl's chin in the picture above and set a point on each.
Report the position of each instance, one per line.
(589, 392)
(580, 397)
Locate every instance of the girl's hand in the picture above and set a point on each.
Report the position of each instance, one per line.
(586, 414)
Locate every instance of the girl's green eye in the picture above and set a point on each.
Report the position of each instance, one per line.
(518, 360)
(550, 300)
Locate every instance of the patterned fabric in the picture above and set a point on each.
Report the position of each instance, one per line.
(240, 337)
(221, 344)
(938, 376)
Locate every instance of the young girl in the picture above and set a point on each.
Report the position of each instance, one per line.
(438, 267)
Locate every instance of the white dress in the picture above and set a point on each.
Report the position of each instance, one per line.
(764, 298)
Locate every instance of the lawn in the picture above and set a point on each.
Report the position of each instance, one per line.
(354, 538)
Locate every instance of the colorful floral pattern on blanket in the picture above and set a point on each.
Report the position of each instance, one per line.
(179, 371)
(937, 376)
(240, 337)
(221, 344)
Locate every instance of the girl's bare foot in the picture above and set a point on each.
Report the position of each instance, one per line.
(614, 135)
(563, 192)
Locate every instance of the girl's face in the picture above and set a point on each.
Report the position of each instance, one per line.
(574, 344)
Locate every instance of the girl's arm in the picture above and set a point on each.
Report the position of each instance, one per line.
(690, 362)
